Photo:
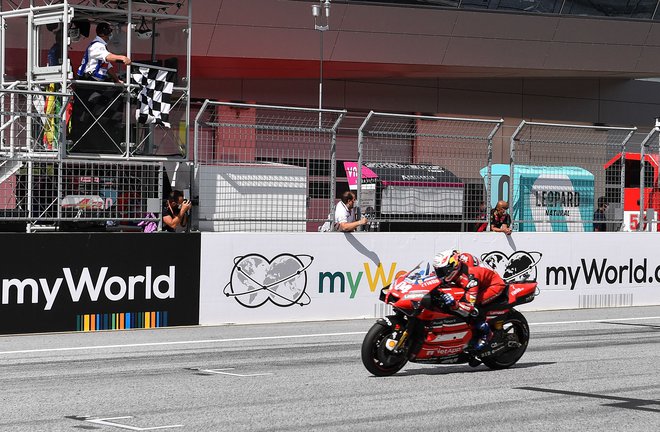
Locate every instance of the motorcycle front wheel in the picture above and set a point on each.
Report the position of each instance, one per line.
(516, 331)
(379, 360)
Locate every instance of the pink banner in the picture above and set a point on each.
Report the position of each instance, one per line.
(352, 172)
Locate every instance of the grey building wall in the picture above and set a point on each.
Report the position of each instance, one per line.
(431, 60)
(586, 100)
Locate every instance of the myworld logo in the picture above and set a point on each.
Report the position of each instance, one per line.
(376, 276)
(519, 266)
(602, 271)
(113, 288)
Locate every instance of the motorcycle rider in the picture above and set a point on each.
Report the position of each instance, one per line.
(481, 286)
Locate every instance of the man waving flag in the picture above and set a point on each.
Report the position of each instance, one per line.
(156, 84)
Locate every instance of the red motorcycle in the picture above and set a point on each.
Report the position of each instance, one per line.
(421, 331)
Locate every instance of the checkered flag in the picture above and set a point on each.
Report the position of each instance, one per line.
(156, 86)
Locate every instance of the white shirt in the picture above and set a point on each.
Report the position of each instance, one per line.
(343, 214)
(94, 61)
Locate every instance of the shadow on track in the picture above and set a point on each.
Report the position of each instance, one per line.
(452, 369)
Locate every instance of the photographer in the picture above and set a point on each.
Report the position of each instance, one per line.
(175, 211)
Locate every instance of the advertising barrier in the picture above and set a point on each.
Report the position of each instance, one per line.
(86, 282)
(546, 198)
(256, 278)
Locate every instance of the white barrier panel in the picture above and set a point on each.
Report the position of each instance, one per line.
(276, 277)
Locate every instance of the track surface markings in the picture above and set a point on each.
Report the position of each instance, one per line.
(107, 422)
(282, 337)
(222, 372)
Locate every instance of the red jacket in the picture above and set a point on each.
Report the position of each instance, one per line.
(481, 285)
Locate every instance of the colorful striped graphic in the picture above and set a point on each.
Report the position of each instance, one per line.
(121, 321)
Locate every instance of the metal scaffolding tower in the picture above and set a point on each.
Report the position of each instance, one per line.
(49, 118)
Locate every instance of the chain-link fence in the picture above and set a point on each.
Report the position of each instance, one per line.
(422, 173)
(73, 195)
(647, 218)
(264, 168)
(566, 177)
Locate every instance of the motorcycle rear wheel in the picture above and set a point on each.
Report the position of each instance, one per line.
(516, 327)
(376, 357)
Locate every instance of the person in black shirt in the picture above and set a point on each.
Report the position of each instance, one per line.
(175, 211)
(500, 221)
(599, 215)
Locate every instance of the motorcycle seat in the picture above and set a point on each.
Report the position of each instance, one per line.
(499, 302)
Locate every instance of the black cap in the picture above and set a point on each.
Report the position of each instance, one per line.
(103, 29)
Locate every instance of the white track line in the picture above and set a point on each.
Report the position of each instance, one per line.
(605, 321)
(188, 342)
(264, 338)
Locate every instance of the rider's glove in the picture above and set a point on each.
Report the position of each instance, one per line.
(446, 299)
(466, 309)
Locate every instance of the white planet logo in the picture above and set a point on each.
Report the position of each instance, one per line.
(256, 280)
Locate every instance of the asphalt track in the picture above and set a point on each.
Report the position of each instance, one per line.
(584, 370)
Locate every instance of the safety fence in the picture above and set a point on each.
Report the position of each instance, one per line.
(424, 173)
(248, 278)
(647, 193)
(275, 168)
(269, 168)
(264, 168)
(562, 177)
(80, 195)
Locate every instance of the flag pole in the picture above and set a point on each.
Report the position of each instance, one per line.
(166, 69)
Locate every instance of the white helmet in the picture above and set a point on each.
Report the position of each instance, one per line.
(446, 265)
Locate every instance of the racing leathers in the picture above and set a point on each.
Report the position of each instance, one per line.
(481, 287)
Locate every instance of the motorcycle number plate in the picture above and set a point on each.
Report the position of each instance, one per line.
(403, 287)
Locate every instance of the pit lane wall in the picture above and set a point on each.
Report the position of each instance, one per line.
(273, 277)
(53, 282)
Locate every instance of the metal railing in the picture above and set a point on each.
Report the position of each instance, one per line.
(103, 122)
(72, 195)
(274, 168)
(423, 172)
(649, 186)
(90, 120)
(264, 168)
(32, 122)
(556, 172)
